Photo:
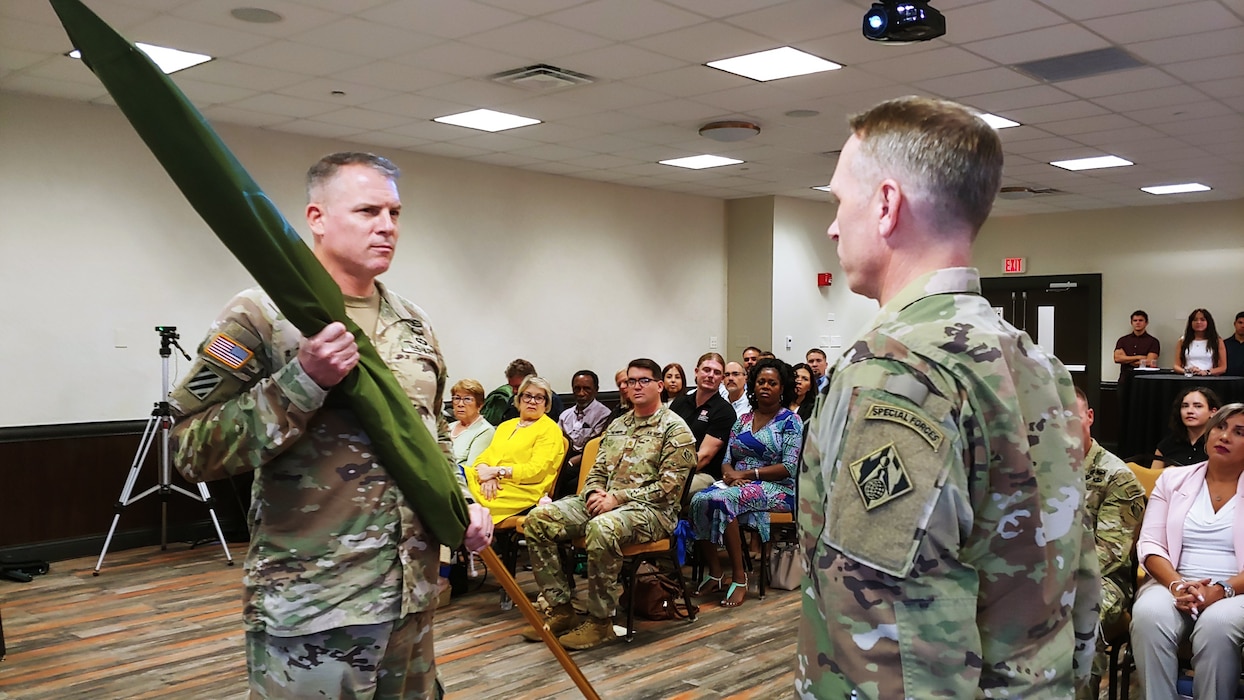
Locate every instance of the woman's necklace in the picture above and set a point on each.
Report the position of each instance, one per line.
(525, 423)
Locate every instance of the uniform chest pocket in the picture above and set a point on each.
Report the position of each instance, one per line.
(889, 475)
(409, 353)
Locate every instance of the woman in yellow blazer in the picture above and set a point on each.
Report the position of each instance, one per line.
(521, 462)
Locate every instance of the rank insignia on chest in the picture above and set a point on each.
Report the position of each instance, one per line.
(228, 351)
(880, 477)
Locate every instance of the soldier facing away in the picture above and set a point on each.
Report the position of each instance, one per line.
(341, 575)
(941, 500)
(631, 495)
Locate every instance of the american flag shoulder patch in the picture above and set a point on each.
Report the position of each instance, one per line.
(228, 351)
(204, 382)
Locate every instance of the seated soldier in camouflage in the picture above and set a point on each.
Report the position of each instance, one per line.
(1115, 501)
(631, 495)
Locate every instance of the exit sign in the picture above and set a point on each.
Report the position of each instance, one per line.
(1011, 266)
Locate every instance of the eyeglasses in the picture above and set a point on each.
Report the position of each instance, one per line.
(532, 398)
(734, 374)
(642, 381)
(462, 399)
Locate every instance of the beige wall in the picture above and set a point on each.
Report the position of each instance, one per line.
(98, 247)
(749, 265)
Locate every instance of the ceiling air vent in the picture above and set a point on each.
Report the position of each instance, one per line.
(542, 77)
(1079, 65)
(1017, 192)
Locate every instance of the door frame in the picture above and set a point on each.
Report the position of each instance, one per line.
(1090, 282)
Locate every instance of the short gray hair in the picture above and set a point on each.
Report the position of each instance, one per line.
(539, 383)
(326, 168)
(947, 154)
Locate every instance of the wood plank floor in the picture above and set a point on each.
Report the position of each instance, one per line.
(168, 625)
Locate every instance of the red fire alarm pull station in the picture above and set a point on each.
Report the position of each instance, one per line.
(824, 279)
(1012, 266)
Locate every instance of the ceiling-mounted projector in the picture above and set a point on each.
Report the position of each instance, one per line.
(902, 21)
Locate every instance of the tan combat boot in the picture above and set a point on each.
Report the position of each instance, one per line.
(562, 618)
(589, 635)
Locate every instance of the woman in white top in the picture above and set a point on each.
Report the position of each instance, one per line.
(1192, 545)
(470, 433)
(1201, 351)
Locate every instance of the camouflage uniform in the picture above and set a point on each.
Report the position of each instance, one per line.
(1115, 501)
(642, 462)
(941, 511)
(333, 542)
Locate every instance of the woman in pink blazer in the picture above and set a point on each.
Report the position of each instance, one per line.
(1192, 545)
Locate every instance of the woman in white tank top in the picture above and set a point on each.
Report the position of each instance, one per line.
(1201, 351)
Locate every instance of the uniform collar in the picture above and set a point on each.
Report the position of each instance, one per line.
(950, 280)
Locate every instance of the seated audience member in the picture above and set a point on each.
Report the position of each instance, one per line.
(758, 477)
(710, 418)
(499, 404)
(820, 365)
(1190, 545)
(581, 422)
(675, 382)
(520, 463)
(735, 381)
(751, 355)
(1136, 348)
(624, 400)
(1115, 502)
(805, 395)
(631, 496)
(766, 355)
(1235, 348)
(470, 432)
(1201, 351)
(1186, 443)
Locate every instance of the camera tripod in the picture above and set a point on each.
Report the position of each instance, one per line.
(159, 423)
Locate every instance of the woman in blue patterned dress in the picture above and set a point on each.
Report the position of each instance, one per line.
(758, 477)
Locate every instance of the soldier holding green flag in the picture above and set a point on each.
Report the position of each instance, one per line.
(341, 575)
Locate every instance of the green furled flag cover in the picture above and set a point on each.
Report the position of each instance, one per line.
(247, 222)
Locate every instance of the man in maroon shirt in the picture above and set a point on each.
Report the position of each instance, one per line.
(1136, 348)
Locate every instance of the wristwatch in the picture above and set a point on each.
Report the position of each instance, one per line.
(1226, 588)
(506, 473)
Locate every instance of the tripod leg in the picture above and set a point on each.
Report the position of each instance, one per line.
(144, 446)
(211, 510)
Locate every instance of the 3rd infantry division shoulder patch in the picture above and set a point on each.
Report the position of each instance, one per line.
(880, 477)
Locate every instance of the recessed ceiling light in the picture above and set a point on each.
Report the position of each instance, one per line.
(997, 122)
(1091, 163)
(168, 60)
(487, 120)
(700, 162)
(257, 15)
(1176, 189)
(774, 64)
(802, 113)
(823, 188)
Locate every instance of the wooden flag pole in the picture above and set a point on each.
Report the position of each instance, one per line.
(535, 620)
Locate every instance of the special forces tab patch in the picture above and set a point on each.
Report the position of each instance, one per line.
(228, 351)
(204, 383)
(880, 477)
(897, 414)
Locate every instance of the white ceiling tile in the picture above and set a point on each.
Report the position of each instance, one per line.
(558, 168)
(1072, 127)
(1117, 82)
(605, 143)
(1109, 138)
(227, 72)
(461, 60)
(1043, 114)
(1162, 22)
(66, 69)
(623, 20)
(387, 75)
(283, 105)
(991, 80)
(1047, 145)
(534, 8)
(616, 95)
(937, 63)
(370, 39)
(232, 115)
(675, 111)
(1174, 95)
(689, 81)
(12, 60)
(558, 133)
(322, 89)
(850, 48)
(416, 107)
(201, 93)
(1187, 48)
(385, 140)
(801, 20)
(446, 18)
(296, 17)
(1018, 99)
(546, 151)
(747, 97)
(346, 7)
(722, 8)
(448, 150)
(536, 40)
(361, 119)
(52, 88)
(1218, 68)
(501, 142)
(619, 61)
(601, 160)
(1058, 40)
(998, 18)
(1180, 112)
(1233, 87)
(300, 58)
(28, 36)
(307, 127)
(509, 160)
(608, 122)
(477, 93)
(552, 108)
(200, 37)
(425, 130)
(1079, 9)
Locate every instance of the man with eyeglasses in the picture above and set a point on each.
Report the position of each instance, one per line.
(710, 418)
(735, 381)
(632, 495)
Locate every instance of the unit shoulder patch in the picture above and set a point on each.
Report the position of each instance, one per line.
(897, 414)
(227, 351)
(204, 382)
(880, 477)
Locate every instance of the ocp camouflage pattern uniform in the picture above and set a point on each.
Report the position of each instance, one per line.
(643, 463)
(1116, 505)
(941, 511)
(334, 543)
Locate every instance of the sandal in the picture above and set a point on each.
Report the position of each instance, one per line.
(726, 602)
(704, 588)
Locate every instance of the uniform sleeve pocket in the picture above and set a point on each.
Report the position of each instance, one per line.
(940, 646)
(889, 475)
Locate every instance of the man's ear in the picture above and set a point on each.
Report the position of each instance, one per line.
(889, 203)
(315, 219)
